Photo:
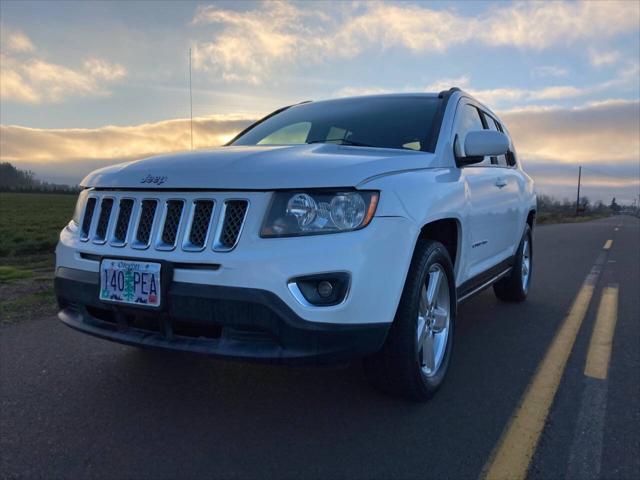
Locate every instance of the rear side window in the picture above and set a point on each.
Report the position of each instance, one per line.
(510, 158)
(501, 160)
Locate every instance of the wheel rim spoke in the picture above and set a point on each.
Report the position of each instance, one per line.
(441, 318)
(435, 277)
(422, 330)
(432, 329)
(526, 263)
(424, 304)
(428, 353)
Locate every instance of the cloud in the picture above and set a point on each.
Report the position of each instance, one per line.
(549, 71)
(604, 58)
(602, 133)
(627, 78)
(551, 142)
(250, 45)
(75, 145)
(27, 78)
(16, 41)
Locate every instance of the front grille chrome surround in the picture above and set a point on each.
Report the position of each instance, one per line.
(87, 219)
(145, 223)
(234, 213)
(172, 214)
(198, 229)
(164, 221)
(104, 219)
(123, 222)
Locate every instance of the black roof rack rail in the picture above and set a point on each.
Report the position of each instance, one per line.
(448, 92)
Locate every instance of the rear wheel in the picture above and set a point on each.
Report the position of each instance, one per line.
(416, 355)
(515, 286)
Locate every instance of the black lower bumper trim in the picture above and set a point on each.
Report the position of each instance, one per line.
(230, 322)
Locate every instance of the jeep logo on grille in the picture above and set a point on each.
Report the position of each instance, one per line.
(151, 179)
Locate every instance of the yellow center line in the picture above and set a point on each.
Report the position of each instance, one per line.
(607, 244)
(518, 443)
(602, 337)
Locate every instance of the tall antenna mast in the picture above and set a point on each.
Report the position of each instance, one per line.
(190, 99)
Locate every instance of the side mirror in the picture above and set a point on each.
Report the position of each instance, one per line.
(482, 143)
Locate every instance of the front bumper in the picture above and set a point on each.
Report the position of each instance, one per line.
(245, 292)
(231, 322)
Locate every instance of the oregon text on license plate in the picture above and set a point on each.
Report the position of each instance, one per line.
(126, 281)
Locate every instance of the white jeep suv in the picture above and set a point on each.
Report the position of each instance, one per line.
(325, 231)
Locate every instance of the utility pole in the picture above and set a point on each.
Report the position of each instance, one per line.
(578, 199)
(190, 99)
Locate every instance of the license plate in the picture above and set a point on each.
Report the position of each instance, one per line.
(125, 281)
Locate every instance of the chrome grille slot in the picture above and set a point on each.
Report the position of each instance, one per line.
(171, 224)
(122, 223)
(198, 231)
(88, 217)
(145, 223)
(234, 213)
(103, 220)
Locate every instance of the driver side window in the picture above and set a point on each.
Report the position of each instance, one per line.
(469, 119)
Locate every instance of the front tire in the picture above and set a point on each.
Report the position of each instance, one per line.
(416, 355)
(515, 286)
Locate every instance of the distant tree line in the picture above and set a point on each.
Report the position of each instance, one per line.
(13, 179)
(549, 204)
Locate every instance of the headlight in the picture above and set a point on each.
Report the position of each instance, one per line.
(317, 212)
(75, 220)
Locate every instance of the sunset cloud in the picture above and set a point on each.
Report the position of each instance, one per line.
(600, 133)
(249, 45)
(626, 79)
(26, 77)
(67, 145)
(550, 141)
(16, 41)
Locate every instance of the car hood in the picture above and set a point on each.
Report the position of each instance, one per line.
(260, 168)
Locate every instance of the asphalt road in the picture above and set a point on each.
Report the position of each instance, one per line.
(72, 406)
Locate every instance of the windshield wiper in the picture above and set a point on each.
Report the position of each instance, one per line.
(345, 141)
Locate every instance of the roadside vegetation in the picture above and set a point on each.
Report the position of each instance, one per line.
(29, 228)
(552, 210)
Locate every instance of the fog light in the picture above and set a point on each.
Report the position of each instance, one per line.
(321, 290)
(325, 289)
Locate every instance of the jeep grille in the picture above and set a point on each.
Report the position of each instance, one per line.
(234, 213)
(186, 221)
(199, 229)
(122, 224)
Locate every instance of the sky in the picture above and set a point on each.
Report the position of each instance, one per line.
(87, 84)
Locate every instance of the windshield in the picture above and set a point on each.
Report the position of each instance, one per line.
(404, 122)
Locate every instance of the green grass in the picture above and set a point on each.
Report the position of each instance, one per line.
(30, 222)
(29, 227)
(28, 306)
(544, 218)
(9, 273)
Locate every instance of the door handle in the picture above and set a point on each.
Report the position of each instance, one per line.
(500, 182)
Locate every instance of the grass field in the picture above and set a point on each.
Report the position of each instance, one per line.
(30, 222)
(29, 228)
